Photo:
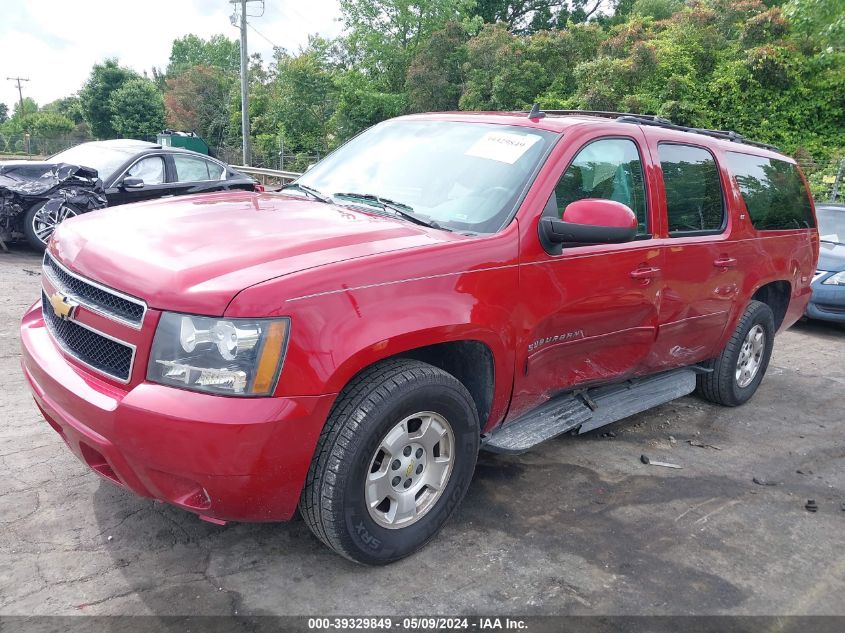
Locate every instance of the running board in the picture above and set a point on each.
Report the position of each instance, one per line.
(588, 410)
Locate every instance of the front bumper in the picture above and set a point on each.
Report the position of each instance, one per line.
(224, 458)
(827, 302)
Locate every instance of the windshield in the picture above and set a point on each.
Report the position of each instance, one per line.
(105, 160)
(831, 224)
(461, 176)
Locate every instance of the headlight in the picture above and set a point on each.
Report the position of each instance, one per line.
(835, 280)
(240, 357)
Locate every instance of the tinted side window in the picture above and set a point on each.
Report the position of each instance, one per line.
(773, 191)
(191, 168)
(694, 200)
(609, 169)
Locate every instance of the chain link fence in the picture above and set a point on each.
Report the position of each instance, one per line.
(27, 146)
(826, 178)
(32, 147)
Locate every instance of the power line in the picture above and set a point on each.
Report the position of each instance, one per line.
(269, 41)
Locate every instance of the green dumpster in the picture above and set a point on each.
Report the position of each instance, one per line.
(188, 140)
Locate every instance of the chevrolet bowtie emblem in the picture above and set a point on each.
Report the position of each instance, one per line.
(63, 306)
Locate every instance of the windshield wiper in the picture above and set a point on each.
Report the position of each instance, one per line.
(311, 192)
(399, 208)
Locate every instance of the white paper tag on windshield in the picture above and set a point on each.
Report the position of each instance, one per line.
(505, 147)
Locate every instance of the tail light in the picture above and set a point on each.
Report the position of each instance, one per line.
(258, 187)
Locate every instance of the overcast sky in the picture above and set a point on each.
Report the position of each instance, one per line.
(55, 42)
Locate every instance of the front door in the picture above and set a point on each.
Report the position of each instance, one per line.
(591, 310)
(150, 169)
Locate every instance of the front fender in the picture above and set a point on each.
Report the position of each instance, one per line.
(337, 332)
(333, 337)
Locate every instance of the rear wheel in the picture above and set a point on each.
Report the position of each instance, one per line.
(41, 220)
(739, 369)
(393, 462)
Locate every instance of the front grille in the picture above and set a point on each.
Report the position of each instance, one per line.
(95, 350)
(95, 297)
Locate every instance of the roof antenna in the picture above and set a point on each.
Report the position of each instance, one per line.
(536, 112)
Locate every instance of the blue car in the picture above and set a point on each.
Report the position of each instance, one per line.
(828, 300)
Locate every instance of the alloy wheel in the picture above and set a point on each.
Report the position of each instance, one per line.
(44, 222)
(410, 469)
(750, 356)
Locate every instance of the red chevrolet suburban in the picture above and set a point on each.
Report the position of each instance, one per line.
(440, 284)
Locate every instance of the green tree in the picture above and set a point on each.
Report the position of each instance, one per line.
(383, 35)
(821, 21)
(656, 9)
(435, 77)
(50, 125)
(70, 107)
(218, 51)
(360, 104)
(530, 16)
(95, 96)
(21, 118)
(304, 98)
(197, 100)
(4, 112)
(25, 108)
(137, 109)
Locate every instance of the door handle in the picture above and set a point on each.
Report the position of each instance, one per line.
(725, 262)
(647, 272)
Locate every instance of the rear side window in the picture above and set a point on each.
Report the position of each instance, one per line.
(694, 200)
(609, 169)
(191, 169)
(773, 191)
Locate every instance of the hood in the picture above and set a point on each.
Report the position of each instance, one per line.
(831, 257)
(33, 178)
(195, 253)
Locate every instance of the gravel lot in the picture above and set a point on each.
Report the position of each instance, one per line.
(577, 526)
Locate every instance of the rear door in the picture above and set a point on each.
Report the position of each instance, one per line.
(701, 276)
(591, 309)
(195, 174)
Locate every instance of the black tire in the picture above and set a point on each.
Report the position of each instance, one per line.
(28, 230)
(333, 500)
(721, 385)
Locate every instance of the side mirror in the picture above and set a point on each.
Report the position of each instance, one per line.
(590, 221)
(132, 182)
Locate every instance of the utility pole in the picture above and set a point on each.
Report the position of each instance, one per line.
(247, 149)
(18, 80)
(20, 91)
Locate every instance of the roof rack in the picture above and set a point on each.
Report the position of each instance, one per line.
(652, 119)
(607, 115)
(726, 135)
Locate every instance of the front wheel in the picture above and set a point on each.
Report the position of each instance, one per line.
(739, 369)
(41, 219)
(393, 462)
